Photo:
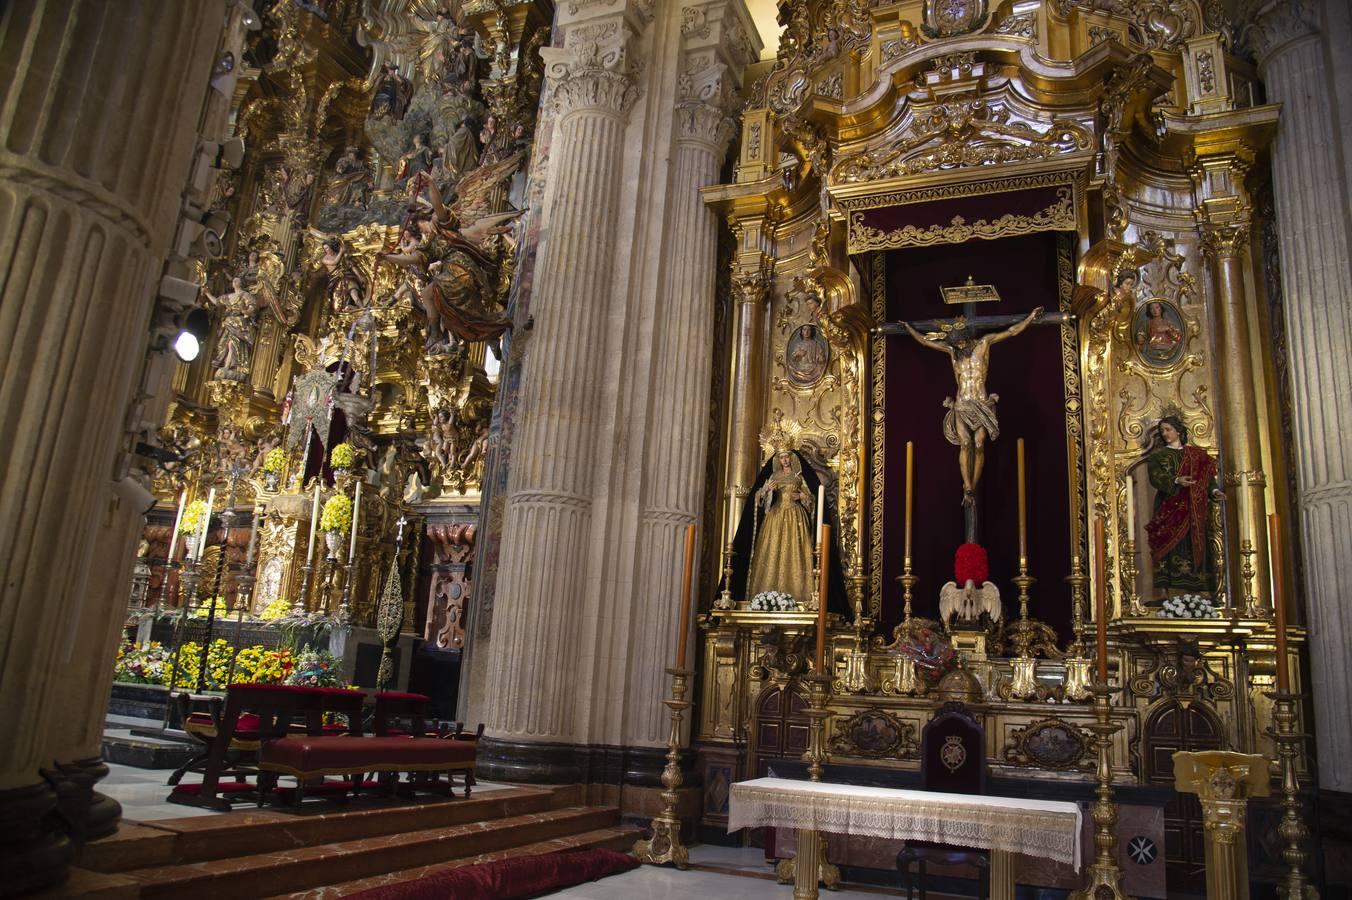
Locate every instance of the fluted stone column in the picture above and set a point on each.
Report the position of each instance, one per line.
(681, 363)
(1310, 170)
(94, 154)
(538, 652)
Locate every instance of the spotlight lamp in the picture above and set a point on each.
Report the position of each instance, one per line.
(195, 328)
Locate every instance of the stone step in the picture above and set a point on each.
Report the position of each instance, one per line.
(619, 837)
(248, 831)
(304, 867)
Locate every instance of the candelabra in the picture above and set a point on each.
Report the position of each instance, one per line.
(856, 679)
(1129, 573)
(1105, 876)
(1077, 664)
(1294, 885)
(904, 678)
(345, 603)
(811, 844)
(1023, 684)
(665, 844)
(1246, 572)
(815, 597)
(725, 600)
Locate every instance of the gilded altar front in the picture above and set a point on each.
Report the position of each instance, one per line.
(1119, 144)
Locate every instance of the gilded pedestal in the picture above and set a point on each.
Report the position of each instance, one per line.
(1223, 781)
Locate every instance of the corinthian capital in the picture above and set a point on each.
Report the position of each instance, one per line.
(1273, 25)
(593, 71)
(1223, 241)
(705, 103)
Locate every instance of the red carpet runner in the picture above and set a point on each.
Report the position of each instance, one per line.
(509, 879)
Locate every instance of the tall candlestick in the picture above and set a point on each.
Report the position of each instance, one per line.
(1101, 600)
(1023, 510)
(356, 519)
(687, 578)
(206, 524)
(178, 520)
(305, 458)
(314, 526)
(821, 507)
(732, 513)
(910, 481)
(821, 598)
(1278, 566)
(253, 537)
(1131, 507)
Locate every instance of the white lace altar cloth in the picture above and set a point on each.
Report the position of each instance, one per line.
(1044, 828)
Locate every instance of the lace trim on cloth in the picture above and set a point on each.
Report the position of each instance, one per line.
(1040, 828)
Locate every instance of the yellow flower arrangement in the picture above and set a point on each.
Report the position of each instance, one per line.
(192, 517)
(337, 515)
(277, 609)
(275, 461)
(343, 456)
(203, 608)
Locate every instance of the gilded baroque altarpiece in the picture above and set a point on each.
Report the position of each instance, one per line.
(1128, 135)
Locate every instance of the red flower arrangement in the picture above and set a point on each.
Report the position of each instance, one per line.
(970, 564)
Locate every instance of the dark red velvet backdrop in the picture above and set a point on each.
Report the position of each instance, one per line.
(1026, 372)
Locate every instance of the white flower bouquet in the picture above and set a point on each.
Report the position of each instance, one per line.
(1187, 606)
(774, 601)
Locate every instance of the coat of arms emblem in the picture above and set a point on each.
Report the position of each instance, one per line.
(953, 754)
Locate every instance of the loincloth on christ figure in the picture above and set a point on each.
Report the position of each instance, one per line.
(973, 414)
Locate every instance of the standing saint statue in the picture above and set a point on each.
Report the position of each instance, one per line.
(970, 420)
(1183, 477)
(781, 556)
(234, 347)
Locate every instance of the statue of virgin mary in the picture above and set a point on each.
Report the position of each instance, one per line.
(781, 556)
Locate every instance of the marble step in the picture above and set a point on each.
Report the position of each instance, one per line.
(619, 837)
(303, 867)
(247, 831)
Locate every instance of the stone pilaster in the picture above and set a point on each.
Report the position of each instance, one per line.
(1309, 164)
(538, 658)
(93, 160)
(681, 360)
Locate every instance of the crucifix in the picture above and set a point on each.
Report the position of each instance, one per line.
(967, 339)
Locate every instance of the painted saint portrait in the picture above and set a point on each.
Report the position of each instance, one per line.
(1157, 331)
(806, 355)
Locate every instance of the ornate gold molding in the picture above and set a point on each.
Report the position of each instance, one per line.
(1058, 216)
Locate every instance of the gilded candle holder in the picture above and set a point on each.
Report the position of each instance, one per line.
(1246, 573)
(665, 844)
(1078, 681)
(812, 844)
(1294, 884)
(904, 680)
(1104, 881)
(725, 600)
(1129, 573)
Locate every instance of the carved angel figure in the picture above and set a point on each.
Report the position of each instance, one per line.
(346, 288)
(262, 275)
(460, 294)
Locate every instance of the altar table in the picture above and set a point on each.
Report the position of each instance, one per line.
(1003, 825)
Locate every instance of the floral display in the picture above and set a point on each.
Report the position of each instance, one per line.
(192, 517)
(316, 668)
(777, 601)
(277, 609)
(204, 608)
(253, 665)
(337, 515)
(275, 461)
(1187, 606)
(344, 456)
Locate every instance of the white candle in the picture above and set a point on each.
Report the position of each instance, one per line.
(206, 523)
(314, 526)
(178, 520)
(356, 518)
(1131, 508)
(253, 536)
(821, 509)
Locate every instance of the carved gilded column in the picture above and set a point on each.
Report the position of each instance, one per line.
(678, 417)
(94, 156)
(1223, 782)
(1223, 219)
(542, 632)
(1309, 169)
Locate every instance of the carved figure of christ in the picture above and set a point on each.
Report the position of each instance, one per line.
(971, 419)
